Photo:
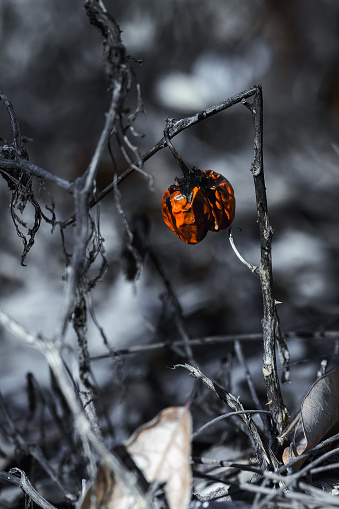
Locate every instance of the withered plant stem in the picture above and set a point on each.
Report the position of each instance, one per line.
(269, 322)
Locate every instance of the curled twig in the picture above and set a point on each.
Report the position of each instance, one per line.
(253, 268)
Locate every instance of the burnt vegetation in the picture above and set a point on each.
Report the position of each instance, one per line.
(100, 299)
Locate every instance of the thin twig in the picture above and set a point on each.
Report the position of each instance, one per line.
(228, 464)
(26, 487)
(15, 436)
(265, 455)
(289, 481)
(22, 164)
(325, 468)
(176, 128)
(211, 340)
(84, 186)
(86, 398)
(226, 416)
(17, 140)
(306, 454)
(253, 268)
(179, 319)
(316, 492)
(242, 360)
(51, 351)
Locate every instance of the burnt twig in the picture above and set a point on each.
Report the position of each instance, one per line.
(52, 352)
(211, 340)
(177, 126)
(117, 72)
(23, 483)
(265, 455)
(239, 353)
(269, 322)
(227, 416)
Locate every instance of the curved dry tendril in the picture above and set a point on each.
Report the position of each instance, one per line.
(13, 160)
(253, 268)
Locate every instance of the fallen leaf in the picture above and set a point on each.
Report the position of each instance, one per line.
(319, 412)
(161, 450)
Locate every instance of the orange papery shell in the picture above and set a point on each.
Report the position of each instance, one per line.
(208, 205)
(188, 219)
(220, 195)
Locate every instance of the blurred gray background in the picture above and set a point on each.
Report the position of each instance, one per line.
(195, 54)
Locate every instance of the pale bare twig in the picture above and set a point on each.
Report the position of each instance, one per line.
(253, 268)
(23, 483)
(51, 351)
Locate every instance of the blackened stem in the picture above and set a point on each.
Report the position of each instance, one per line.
(176, 156)
(269, 321)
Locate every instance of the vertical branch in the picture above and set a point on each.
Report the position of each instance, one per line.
(17, 140)
(117, 74)
(275, 400)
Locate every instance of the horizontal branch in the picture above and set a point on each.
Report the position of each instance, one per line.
(210, 340)
(33, 169)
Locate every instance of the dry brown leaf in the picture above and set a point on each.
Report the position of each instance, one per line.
(319, 412)
(161, 449)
